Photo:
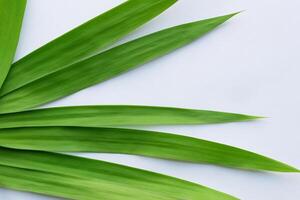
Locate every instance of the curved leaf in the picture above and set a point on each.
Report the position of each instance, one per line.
(106, 65)
(115, 115)
(138, 142)
(116, 179)
(11, 17)
(53, 184)
(84, 41)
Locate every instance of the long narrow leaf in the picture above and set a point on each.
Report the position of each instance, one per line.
(51, 184)
(138, 142)
(114, 115)
(106, 65)
(70, 187)
(11, 17)
(84, 41)
(114, 177)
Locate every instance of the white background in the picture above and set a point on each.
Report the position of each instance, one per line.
(249, 65)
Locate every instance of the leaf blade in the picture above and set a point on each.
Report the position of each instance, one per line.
(102, 172)
(137, 142)
(44, 183)
(106, 65)
(83, 41)
(116, 115)
(11, 15)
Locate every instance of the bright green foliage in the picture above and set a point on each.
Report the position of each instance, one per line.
(110, 181)
(106, 65)
(50, 184)
(73, 62)
(138, 142)
(82, 42)
(98, 116)
(11, 17)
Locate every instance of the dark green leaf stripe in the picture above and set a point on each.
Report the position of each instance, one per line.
(138, 142)
(11, 17)
(113, 177)
(116, 115)
(105, 65)
(84, 41)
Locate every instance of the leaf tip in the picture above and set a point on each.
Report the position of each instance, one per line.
(293, 169)
(257, 117)
(290, 169)
(222, 19)
(237, 13)
(283, 167)
(251, 118)
(229, 16)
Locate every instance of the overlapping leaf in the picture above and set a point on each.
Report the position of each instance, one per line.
(119, 181)
(69, 64)
(138, 142)
(11, 17)
(105, 65)
(82, 42)
(114, 115)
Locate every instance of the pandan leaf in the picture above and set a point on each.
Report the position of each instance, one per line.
(116, 115)
(82, 42)
(11, 17)
(110, 179)
(59, 185)
(106, 65)
(52, 184)
(137, 142)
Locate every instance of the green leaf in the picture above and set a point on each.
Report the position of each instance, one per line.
(11, 17)
(119, 181)
(116, 115)
(106, 65)
(84, 41)
(69, 186)
(138, 142)
(53, 184)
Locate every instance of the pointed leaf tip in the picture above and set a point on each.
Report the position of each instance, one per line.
(138, 142)
(221, 19)
(108, 179)
(106, 65)
(113, 115)
(288, 169)
(251, 117)
(225, 18)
